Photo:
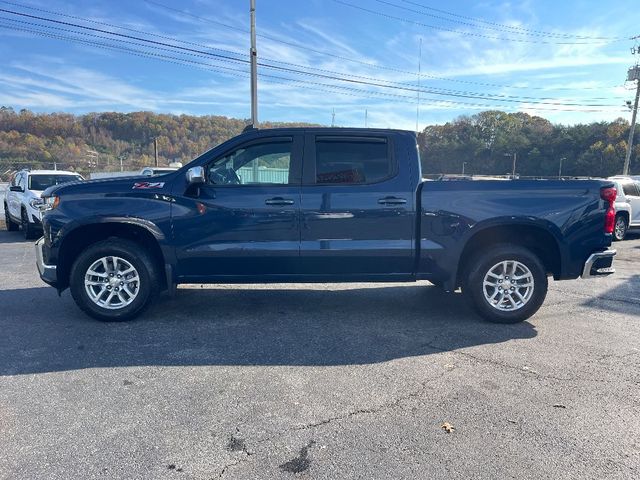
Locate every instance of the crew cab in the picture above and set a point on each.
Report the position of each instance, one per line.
(322, 205)
(23, 198)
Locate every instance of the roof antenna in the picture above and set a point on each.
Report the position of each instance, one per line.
(419, 75)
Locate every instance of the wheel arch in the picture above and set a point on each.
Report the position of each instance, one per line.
(624, 213)
(82, 236)
(535, 238)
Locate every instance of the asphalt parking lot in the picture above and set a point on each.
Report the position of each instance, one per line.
(319, 381)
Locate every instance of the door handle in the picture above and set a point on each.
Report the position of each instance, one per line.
(392, 201)
(278, 201)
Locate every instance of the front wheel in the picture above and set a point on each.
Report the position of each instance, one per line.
(28, 228)
(507, 284)
(620, 228)
(114, 280)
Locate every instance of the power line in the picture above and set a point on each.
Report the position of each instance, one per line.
(119, 27)
(468, 34)
(205, 55)
(306, 48)
(332, 75)
(60, 22)
(501, 26)
(240, 73)
(300, 46)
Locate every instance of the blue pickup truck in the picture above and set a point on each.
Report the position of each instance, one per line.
(321, 205)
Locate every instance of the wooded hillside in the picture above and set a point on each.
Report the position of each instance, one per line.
(486, 142)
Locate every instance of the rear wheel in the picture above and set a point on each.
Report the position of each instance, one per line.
(11, 227)
(620, 228)
(28, 228)
(114, 280)
(507, 284)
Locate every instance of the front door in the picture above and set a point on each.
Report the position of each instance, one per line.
(243, 221)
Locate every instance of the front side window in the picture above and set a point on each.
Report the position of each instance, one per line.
(256, 164)
(352, 161)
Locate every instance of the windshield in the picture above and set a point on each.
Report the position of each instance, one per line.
(44, 181)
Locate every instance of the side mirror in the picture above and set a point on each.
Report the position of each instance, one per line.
(195, 175)
(16, 188)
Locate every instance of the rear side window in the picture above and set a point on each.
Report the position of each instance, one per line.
(352, 160)
(630, 189)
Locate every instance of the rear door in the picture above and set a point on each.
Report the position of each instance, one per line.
(357, 207)
(244, 221)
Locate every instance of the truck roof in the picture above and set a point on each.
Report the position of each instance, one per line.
(342, 130)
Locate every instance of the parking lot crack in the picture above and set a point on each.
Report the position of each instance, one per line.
(395, 403)
(229, 466)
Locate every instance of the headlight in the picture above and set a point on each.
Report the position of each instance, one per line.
(36, 203)
(51, 202)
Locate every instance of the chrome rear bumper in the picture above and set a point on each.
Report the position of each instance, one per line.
(599, 264)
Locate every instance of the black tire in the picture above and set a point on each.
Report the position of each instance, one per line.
(480, 266)
(141, 260)
(28, 228)
(9, 224)
(620, 228)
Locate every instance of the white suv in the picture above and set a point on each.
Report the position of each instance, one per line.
(627, 205)
(22, 199)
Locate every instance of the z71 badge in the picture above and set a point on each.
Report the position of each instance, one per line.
(147, 185)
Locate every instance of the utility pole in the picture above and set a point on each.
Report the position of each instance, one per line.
(633, 74)
(254, 66)
(366, 118)
(419, 75)
(333, 118)
(463, 165)
(155, 150)
(560, 169)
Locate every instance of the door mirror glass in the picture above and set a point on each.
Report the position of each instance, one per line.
(195, 175)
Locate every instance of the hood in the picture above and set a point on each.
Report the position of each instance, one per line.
(34, 193)
(107, 185)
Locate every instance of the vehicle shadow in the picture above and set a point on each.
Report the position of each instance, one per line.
(244, 326)
(623, 298)
(13, 237)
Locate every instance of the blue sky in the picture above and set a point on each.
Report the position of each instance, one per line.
(565, 61)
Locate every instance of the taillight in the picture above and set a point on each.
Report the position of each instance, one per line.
(609, 195)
